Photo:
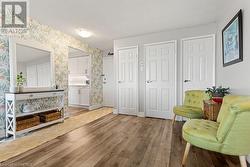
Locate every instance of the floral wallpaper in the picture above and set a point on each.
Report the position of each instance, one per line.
(4, 78)
(40, 104)
(59, 42)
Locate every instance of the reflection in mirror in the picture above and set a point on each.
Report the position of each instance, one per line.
(35, 64)
(78, 67)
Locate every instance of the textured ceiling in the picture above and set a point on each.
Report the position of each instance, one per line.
(114, 19)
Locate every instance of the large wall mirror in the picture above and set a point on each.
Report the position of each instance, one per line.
(34, 61)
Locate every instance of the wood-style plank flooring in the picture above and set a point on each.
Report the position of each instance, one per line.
(120, 141)
(74, 111)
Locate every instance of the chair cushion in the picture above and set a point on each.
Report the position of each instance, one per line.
(202, 133)
(194, 98)
(189, 112)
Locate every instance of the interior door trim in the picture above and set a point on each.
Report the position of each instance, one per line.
(137, 77)
(213, 36)
(175, 75)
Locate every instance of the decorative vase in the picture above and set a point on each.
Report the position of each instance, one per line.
(217, 99)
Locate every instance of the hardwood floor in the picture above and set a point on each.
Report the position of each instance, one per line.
(119, 140)
(74, 111)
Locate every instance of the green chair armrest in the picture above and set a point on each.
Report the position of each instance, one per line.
(241, 107)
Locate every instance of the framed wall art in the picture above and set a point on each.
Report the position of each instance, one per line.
(232, 41)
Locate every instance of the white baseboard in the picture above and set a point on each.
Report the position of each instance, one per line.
(141, 114)
(96, 106)
(115, 111)
(79, 106)
(111, 106)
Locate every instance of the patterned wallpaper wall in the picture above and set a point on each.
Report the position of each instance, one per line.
(4, 78)
(59, 42)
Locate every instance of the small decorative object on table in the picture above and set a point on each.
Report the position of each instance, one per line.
(217, 93)
(20, 80)
(211, 110)
(212, 107)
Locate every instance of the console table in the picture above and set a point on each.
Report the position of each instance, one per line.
(41, 102)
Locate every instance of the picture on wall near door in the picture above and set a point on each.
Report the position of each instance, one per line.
(232, 40)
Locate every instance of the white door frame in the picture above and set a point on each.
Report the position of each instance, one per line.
(181, 61)
(137, 77)
(175, 75)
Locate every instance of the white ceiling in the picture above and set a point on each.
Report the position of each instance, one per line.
(113, 19)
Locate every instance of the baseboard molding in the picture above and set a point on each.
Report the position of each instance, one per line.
(115, 111)
(85, 107)
(110, 106)
(141, 114)
(96, 106)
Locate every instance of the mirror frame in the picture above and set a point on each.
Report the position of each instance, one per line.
(13, 63)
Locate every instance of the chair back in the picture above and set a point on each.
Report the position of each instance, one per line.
(194, 98)
(234, 128)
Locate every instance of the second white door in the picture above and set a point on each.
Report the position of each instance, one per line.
(160, 79)
(128, 81)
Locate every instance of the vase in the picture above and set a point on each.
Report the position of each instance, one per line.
(217, 99)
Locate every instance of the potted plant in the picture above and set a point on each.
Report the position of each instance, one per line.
(217, 93)
(20, 80)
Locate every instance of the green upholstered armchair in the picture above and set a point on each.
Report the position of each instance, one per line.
(193, 105)
(229, 135)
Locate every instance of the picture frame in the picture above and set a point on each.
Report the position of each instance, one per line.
(232, 41)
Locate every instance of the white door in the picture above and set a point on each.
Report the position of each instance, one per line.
(198, 56)
(128, 81)
(108, 81)
(160, 79)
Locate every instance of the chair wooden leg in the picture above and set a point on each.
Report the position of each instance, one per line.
(186, 154)
(243, 161)
(173, 119)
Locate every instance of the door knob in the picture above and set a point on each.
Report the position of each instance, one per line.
(149, 81)
(119, 81)
(187, 80)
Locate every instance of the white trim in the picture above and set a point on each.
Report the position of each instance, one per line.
(137, 76)
(175, 75)
(115, 111)
(91, 107)
(159, 43)
(13, 41)
(78, 106)
(127, 47)
(198, 37)
(96, 106)
(181, 60)
(141, 114)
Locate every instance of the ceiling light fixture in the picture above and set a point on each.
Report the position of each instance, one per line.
(84, 33)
